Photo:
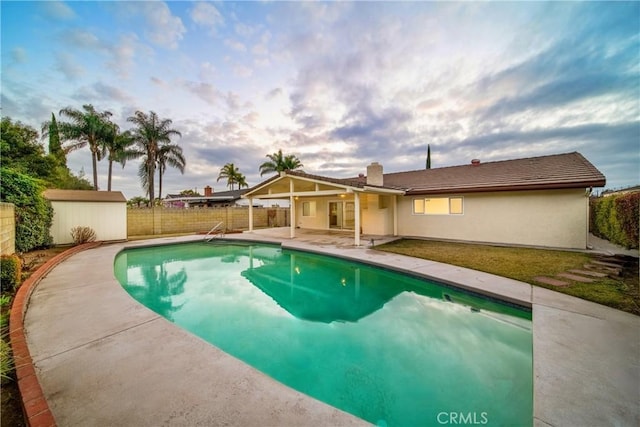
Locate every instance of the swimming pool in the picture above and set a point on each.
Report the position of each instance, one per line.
(389, 348)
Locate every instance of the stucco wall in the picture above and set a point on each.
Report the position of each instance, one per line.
(554, 218)
(107, 219)
(7, 229)
(376, 213)
(147, 222)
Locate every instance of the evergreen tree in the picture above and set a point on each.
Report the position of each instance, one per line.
(428, 166)
(55, 147)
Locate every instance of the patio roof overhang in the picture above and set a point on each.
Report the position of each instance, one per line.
(287, 185)
(297, 185)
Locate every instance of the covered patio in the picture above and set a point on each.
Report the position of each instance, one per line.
(334, 207)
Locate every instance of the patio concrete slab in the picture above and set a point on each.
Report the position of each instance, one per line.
(121, 365)
(586, 368)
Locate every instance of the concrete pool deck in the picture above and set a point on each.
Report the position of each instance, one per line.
(103, 359)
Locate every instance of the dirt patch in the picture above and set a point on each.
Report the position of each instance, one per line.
(11, 403)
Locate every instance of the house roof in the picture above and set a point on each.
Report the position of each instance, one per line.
(569, 170)
(83, 196)
(221, 196)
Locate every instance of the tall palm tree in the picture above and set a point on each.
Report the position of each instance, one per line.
(150, 133)
(119, 148)
(233, 176)
(86, 127)
(278, 162)
(169, 155)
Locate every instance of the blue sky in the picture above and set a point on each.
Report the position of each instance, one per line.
(338, 84)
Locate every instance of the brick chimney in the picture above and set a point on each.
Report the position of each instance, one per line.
(208, 191)
(374, 174)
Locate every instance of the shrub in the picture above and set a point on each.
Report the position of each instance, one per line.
(34, 214)
(6, 361)
(10, 273)
(616, 219)
(627, 209)
(83, 235)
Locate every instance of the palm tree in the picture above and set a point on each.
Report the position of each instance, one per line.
(278, 162)
(119, 148)
(169, 155)
(150, 132)
(241, 180)
(233, 176)
(86, 127)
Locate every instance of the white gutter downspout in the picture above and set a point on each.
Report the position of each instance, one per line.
(395, 215)
(292, 209)
(356, 199)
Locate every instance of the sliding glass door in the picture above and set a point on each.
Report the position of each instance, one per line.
(342, 215)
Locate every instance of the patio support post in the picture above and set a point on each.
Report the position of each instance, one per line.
(250, 214)
(395, 215)
(292, 209)
(356, 199)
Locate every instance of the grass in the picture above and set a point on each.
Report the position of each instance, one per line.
(524, 264)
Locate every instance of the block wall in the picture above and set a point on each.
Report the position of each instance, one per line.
(7, 229)
(148, 222)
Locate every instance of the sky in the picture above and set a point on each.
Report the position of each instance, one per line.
(338, 84)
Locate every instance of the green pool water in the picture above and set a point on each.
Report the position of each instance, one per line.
(392, 349)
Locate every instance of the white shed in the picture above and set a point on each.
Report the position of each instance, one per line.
(104, 211)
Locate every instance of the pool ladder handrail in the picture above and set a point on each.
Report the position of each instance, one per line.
(217, 230)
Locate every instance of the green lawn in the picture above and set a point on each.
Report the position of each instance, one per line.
(524, 264)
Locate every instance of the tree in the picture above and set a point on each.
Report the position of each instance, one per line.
(190, 192)
(34, 214)
(55, 146)
(428, 166)
(278, 162)
(233, 176)
(22, 152)
(169, 155)
(149, 133)
(119, 147)
(86, 127)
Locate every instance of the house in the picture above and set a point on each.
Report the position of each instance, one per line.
(103, 211)
(209, 200)
(538, 201)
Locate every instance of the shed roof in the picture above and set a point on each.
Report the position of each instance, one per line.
(83, 196)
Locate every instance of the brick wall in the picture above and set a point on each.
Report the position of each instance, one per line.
(147, 222)
(7, 229)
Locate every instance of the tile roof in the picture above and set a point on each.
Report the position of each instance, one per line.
(570, 170)
(83, 195)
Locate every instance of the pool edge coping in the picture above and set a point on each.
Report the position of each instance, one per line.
(541, 299)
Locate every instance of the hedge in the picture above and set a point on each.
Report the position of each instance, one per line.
(616, 218)
(34, 214)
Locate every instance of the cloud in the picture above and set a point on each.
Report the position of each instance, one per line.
(162, 28)
(84, 39)
(242, 71)
(205, 91)
(102, 92)
(58, 10)
(206, 15)
(66, 64)
(19, 55)
(235, 45)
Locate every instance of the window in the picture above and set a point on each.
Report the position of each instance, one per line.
(418, 206)
(308, 208)
(438, 206)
